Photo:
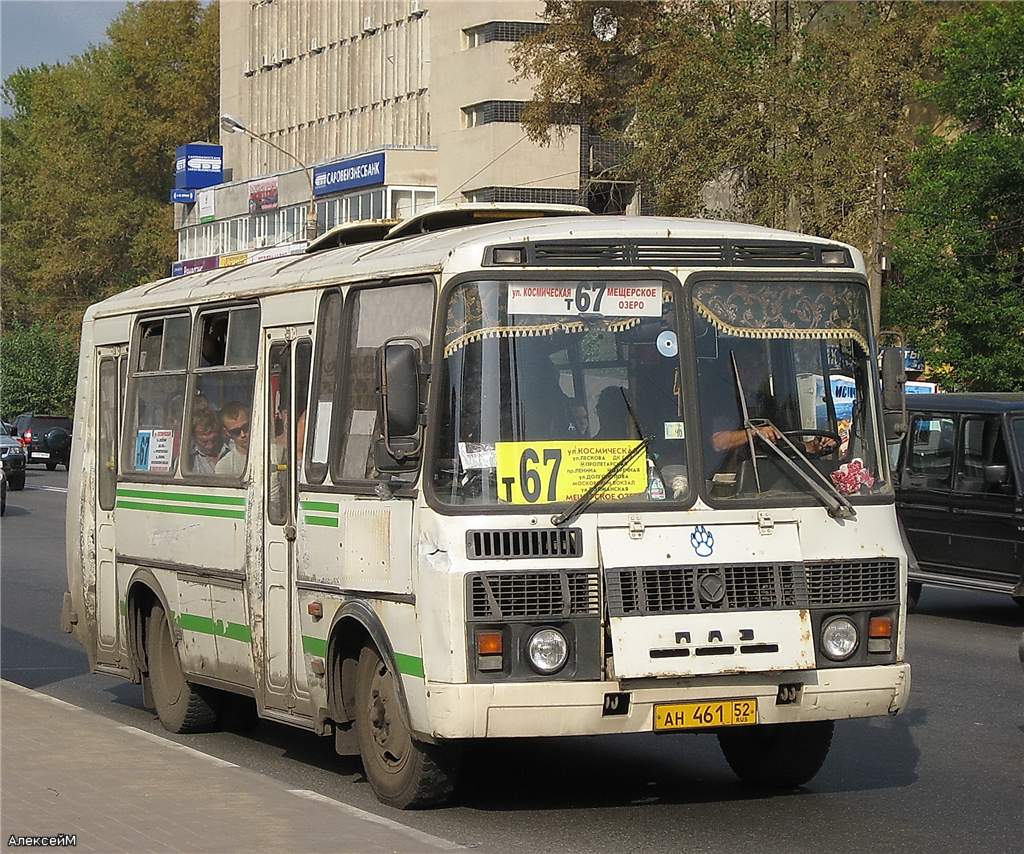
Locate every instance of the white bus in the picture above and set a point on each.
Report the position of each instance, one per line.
(537, 477)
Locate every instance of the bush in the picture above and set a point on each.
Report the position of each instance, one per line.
(40, 369)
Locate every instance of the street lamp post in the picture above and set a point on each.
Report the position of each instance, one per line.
(232, 125)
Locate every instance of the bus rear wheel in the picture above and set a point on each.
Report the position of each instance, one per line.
(781, 756)
(403, 772)
(181, 706)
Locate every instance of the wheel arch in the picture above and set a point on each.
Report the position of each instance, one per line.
(143, 591)
(355, 624)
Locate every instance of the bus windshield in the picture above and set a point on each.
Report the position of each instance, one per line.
(792, 359)
(545, 385)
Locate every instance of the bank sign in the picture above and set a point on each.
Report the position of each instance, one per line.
(365, 171)
(198, 165)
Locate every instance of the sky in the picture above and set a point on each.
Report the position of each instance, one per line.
(37, 31)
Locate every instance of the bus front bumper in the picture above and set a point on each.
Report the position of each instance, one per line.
(577, 708)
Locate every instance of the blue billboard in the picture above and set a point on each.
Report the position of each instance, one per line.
(365, 171)
(198, 165)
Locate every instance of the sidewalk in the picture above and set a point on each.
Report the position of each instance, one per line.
(120, 789)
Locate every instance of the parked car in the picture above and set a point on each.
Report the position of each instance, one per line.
(12, 457)
(960, 492)
(46, 438)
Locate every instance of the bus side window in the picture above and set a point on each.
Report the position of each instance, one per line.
(325, 381)
(106, 451)
(372, 316)
(220, 392)
(156, 395)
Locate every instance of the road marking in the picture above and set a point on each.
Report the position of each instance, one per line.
(355, 812)
(166, 742)
(21, 689)
(63, 489)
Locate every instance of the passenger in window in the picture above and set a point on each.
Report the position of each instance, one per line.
(234, 419)
(612, 414)
(208, 443)
(579, 423)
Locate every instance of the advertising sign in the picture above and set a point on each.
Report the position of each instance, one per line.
(207, 208)
(198, 165)
(194, 265)
(234, 259)
(263, 195)
(277, 252)
(365, 171)
(605, 299)
(912, 361)
(183, 197)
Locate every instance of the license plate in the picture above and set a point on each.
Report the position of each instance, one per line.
(42, 455)
(716, 713)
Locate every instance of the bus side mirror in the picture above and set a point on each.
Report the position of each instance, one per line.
(894, 401)
(398, 387)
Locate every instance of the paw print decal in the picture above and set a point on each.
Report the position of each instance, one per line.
(703, 541)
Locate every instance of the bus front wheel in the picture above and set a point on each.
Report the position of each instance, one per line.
(403, 773)
(181, 706)
(777, 755)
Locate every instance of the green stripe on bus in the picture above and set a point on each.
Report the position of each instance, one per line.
(185, 511)
(314, 646)
(409, 665)
(325, 506)
(188, 497)
(207, 626)
(326, 521)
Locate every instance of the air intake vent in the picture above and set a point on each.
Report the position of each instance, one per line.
(678, 254)
(528, 595)
(853, 582)
(513, 543)
(685, 589)
(774, 252)
(580, 253)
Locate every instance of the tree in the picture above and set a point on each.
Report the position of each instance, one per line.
(87, 157)
(40, 369)
(959, 245)
(777, 113)
(88, 154)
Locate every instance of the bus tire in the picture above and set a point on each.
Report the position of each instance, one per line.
(403, 772)
(780, 756)
(913, 594)
(181, 706)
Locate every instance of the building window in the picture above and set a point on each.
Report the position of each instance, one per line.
(487, 112)
(500, 31)
(405, 202)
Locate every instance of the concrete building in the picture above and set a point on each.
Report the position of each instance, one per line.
(395, 104)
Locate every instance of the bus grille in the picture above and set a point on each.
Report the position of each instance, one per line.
(528, 595)
(511, 543)
(852, 582)
(679, 589)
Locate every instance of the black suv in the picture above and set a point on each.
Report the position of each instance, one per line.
(12, 458)
(46, 438)
(960, 491)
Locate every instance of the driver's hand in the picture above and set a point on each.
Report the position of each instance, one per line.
(818, 444)
(771, 433)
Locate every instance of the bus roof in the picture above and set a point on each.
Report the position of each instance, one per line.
(456, 250)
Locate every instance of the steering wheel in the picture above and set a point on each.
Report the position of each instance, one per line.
(821, 452)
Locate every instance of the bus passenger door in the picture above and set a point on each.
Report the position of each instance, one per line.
(107, 424)
(287, 379)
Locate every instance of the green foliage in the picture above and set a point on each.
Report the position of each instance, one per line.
(88, 160)
(959, 246)
(40, 365)
(772, 113)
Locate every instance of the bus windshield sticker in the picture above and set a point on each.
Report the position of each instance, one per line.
(476, 456)
(675, 430)
(600, 299)
(322, 435)
(142, 442)
(549, 472)
(161, 450)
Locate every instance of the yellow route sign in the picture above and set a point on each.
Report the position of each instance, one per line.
(548, 472)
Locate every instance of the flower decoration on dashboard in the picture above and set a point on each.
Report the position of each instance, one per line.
(851, 476)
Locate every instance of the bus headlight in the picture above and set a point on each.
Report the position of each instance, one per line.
(547, 651)
(839, 638)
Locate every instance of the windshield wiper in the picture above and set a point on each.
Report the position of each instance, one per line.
(837, 504)
(588, 497)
